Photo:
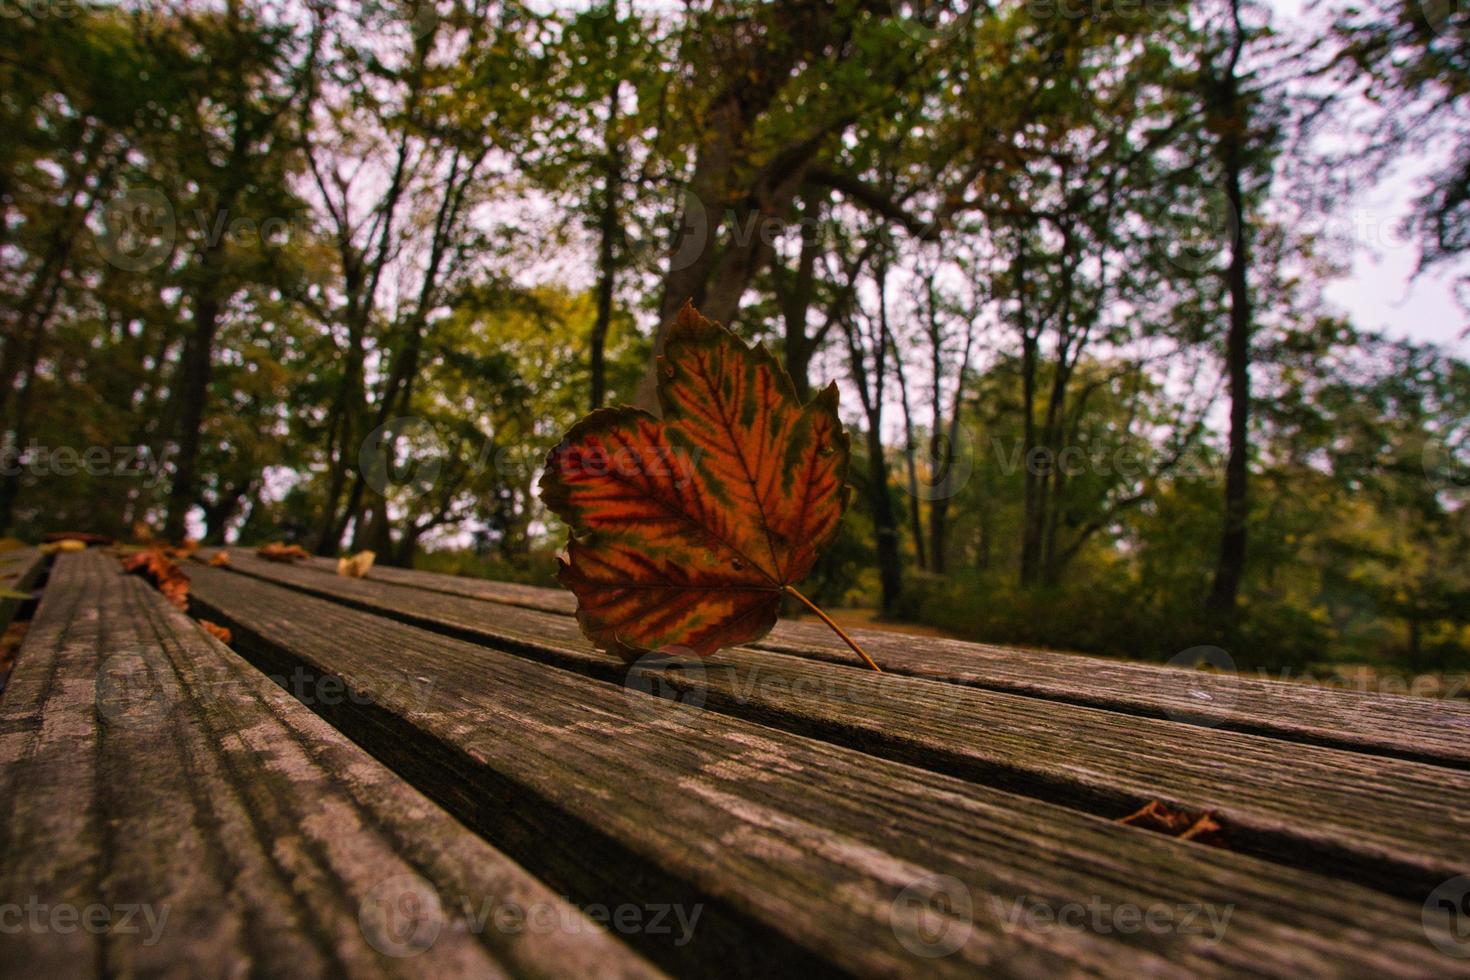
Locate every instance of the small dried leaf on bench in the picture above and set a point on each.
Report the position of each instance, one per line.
(63, 547)
(221, 633)
(1161, 818)
(84, 536)
(155, 565)
(219, 559)
(282, 552)
(10, 641)
(15, 594)
(356, 566)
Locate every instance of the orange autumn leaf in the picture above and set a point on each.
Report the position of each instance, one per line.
(282, 552)
(155, 565)
(219, 559)
(356, 566)
(688, 531)
(84, 536)
(1164, 819)
(221, 633)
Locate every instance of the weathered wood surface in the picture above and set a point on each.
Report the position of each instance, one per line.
(804, 854)
(1397, 825)
(1430, 730)
(206, 823)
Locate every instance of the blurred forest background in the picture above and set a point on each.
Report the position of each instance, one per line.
(341, 273)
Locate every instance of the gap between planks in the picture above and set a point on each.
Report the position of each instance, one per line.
(1434, 731)
(143, 764)
(1394, 825)
(812, 842)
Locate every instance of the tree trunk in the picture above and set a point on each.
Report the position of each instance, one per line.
(345, 409)
(1230, 568)
(194, 398)
(607, 269)
(911, 450)
(890, 564)
(941, 438)
(1032, 483)
(795, 300)
(870, 390)
(217, 515)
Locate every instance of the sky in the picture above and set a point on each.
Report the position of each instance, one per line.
(1380, 290)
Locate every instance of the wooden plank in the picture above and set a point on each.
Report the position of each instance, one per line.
(1395, 825)
(1428, 730)
(806, 855)
(210, 825)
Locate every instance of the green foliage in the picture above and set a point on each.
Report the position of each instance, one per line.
(440, 235)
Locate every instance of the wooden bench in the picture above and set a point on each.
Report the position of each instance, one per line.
(166, 809)
(779, 809)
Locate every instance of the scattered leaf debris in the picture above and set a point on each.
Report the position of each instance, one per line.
(10, 646)
(1202, 828)
(282, 552)
(86, 537)
(221, 633)
(356, 566)
(155, 565)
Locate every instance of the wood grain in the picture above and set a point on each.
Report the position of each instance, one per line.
(145, 766)
(1396, 825)
(804, 853)
(1424, 729)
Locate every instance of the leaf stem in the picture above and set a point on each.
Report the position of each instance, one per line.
(835, 628)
